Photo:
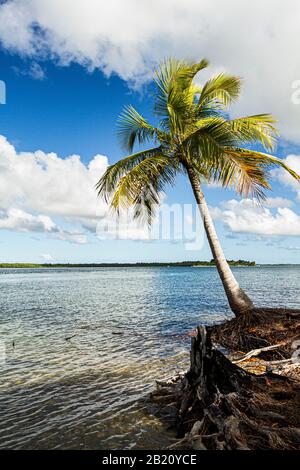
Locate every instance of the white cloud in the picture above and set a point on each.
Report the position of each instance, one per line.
(71, 236)
(36, 187)
(21, 221)
(34, 71)
(17, 219)
(46, 183)
(278, 201)
(293, 161)
(245, 216)
(257, 40)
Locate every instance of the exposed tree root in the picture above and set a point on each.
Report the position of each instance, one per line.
(260, 328)
(219, 405)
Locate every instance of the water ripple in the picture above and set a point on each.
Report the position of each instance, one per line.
(126, 327)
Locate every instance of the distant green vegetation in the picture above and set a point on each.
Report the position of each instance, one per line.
(231, 262)
(20, 265)
(239, 262)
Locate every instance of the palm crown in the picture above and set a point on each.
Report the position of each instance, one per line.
(193, 131)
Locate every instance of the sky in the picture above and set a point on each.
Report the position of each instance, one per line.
(69, 67)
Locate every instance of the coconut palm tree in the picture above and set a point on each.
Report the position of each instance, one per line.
(194, 137)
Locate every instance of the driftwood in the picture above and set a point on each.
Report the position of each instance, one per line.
(256, 352)
(220, 406)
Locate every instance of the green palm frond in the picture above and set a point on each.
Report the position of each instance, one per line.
(209, 138)
(186, 73)
(174, 109)
(264, 160)
(247, 171)
(240, 172)
(208, 112)
(143, 186)
(108, 182)
(220, 91)
(133, 128)
(255, 129)
(176, 92)
(175, 74)
(164, 81)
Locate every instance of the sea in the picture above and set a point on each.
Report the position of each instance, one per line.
(81, 348)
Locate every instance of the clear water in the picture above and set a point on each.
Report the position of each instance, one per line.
(131, 326)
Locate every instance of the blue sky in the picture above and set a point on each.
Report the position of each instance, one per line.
(67, 109)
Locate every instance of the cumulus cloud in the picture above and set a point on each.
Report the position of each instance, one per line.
(257, 40)
(273, 202)
(21, 221)
(46, 183)
(17, 219)
(246, 216)
(285, 178)
(37, 187)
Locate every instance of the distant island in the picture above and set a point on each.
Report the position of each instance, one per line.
(240, 262)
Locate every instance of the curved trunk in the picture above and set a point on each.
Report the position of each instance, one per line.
(238, 300)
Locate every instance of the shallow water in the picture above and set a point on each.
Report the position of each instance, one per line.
(130, 327)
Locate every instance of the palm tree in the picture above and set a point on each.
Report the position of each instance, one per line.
(195, 137)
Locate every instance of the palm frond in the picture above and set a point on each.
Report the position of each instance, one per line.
(265, 160)
(186, 73)
(209, 138)
(109, 180)
(132, 128)
(247, 171)
(255, 129)
(143, 186)
(220, 91)
(240, 172)
(176, 93)
(164, 81)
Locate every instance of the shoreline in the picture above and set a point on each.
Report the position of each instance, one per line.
(177, 264)
(183, 264)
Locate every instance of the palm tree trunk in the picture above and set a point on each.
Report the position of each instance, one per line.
(238, 300)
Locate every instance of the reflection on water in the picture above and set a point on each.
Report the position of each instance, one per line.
(126, 327)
